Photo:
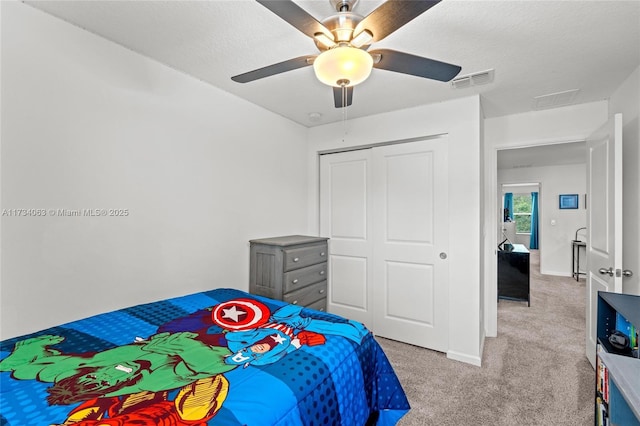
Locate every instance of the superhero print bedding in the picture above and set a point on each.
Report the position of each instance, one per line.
(222, 357)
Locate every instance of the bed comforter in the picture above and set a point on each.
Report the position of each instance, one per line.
(221, 357)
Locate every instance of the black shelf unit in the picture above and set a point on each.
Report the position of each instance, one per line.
(617, 389)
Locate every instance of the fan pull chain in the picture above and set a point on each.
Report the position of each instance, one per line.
(344, 111)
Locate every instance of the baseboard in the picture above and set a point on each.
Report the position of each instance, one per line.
(468, 359)
(556, 273)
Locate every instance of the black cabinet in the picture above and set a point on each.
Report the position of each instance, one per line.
(513, 273)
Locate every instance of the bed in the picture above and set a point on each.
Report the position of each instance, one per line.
(221, 357)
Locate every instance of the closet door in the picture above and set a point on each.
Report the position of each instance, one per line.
(410, 243)
(345, 206)
(386, 212)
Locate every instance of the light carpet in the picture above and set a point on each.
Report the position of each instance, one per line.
(534, 373)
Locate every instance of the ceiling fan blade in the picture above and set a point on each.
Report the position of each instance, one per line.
(405, 63)
(296, 16)
(339, 99)
(391, 15)
(280, 67)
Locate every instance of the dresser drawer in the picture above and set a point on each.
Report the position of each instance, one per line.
(306, 296)
(320, 305)
(299, 278)
(296, 258)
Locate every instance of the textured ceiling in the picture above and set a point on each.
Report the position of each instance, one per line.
(544, 155)
(535, 47)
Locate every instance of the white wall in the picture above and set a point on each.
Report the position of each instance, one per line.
(627, 101)
(556, 227)
(88, 124)
(568, 124)
(461, 120)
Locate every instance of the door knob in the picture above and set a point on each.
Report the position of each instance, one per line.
(443, 255)
(627, 273)
(604, 271)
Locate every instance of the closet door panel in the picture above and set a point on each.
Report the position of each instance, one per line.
(345, 205)
(410, 243)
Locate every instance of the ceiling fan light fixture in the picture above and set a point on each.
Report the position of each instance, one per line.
(324, 40)
(364, 37)
(343, 66)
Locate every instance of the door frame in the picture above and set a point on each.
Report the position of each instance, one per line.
(462, 121)
(465, 342)
(377, 144)
(493, 211)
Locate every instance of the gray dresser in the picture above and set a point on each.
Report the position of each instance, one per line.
(292, 268)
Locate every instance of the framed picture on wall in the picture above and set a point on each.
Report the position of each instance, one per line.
(568, 201)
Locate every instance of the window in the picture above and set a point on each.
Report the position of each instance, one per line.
(522, 213)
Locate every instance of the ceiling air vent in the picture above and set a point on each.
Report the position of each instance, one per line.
(476, 79)
(554, 100)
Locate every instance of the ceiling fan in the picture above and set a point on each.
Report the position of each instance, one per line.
(344, 39)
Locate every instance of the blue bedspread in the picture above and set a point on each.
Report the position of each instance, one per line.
(222, 357)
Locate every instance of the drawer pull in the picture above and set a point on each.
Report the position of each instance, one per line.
(295, 302)
(321, 272)
(295, 281)
(295, 259)
(321, 291)
(322, 254)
